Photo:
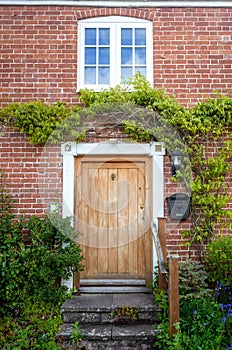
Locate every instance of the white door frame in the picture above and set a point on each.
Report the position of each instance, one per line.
(114, 148)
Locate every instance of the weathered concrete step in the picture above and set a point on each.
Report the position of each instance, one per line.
(110, 337)
(112, 282)
(97, 308)
(113, 289)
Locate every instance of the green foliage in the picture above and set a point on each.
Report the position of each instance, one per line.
(55, 254)
(137, 132)
(12, 254)
(202, 325)
(32, 264)
(76, 335)
(34, 255)
(204, 130)
(218, 259)
(39, 120)
(193, 280)
(125, 314)
(35, 327)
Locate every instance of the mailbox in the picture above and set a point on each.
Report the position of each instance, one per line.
(179, 206)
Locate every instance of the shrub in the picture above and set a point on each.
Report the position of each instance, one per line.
(34, 254)
(201, 325)
(218, 259)
(34, 328)
(193, 280)
(31, 264)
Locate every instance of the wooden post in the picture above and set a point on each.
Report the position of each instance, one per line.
(173, 294)
(162, 238)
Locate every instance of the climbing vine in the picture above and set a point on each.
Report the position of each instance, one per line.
(205, 131)
(39, 120)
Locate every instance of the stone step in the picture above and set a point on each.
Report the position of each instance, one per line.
(112, 282)
(109, 337)
(113, 289)
(109, 286)
(101, 308)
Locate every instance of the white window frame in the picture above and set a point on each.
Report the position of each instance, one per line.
(115, 23)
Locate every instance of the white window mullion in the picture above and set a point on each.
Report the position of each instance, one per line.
(133, 50)
(97, 55)
(113, 58)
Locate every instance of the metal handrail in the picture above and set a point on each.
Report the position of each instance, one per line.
(159, 251)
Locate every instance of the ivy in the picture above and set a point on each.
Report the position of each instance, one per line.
(39, 120)
(204, 130)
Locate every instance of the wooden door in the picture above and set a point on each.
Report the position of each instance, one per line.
(112, 214)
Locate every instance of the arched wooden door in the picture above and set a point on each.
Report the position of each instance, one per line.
(113, 215)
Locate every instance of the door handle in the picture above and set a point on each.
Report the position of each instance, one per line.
(141, 206)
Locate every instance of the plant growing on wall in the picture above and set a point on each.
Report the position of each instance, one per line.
(39, 120)
(204, 129)
(25, 245)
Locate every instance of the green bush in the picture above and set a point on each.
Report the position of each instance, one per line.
(218, 259)
(35, 327)
(205, 321)
(193, 280)
(201, 326)
(35, 254)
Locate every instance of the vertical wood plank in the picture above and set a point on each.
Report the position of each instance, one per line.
(103, 221)
(123, 197)
(113, 234)
(141, 223)
(92, 228)
(173, 295)
(133, 222)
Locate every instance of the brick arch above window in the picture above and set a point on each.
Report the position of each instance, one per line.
(115, 11)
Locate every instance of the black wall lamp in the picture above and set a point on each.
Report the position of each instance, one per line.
(176, 159)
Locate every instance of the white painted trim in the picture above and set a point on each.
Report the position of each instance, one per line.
(126, 4)
(153, 149)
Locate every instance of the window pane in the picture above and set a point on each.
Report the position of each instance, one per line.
(140, 56)
(126, 56)
(126, 36)
(90, 75)
(140, 36)
(104, 55)
(104, 36)
(103, 75)
(90, 55)
(126, 73)
(90, 36)
(142, 70)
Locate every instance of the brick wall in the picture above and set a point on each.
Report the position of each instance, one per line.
(33, 174)
(38, 60)
(34, 178)
(38, 54)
